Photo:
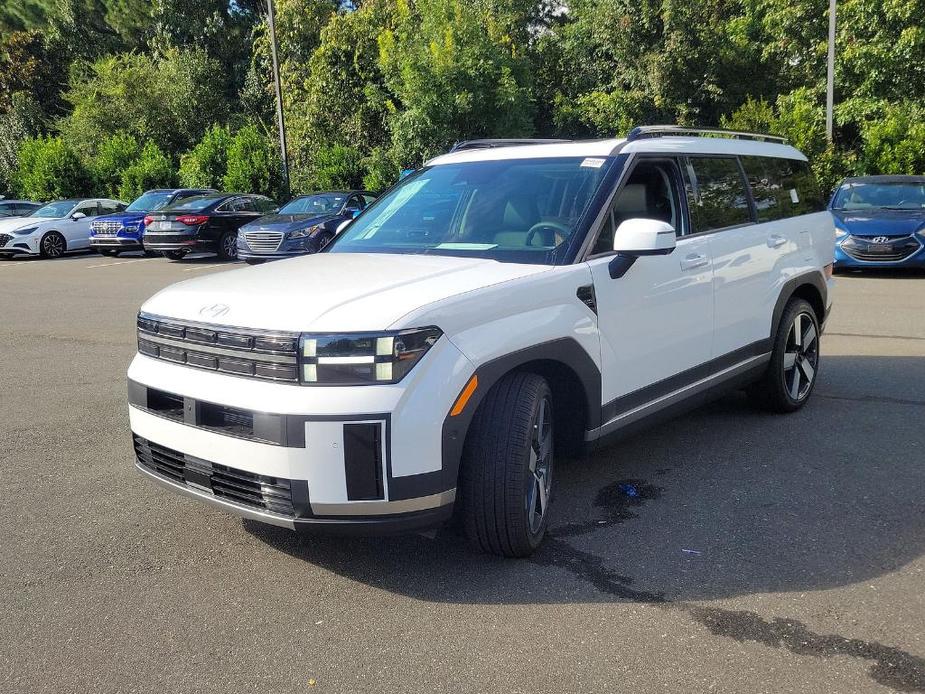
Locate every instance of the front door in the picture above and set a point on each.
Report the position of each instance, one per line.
(77, 231)
(656, 321)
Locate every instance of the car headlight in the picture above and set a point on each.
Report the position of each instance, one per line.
(130, 227)
(363, 358)
(840, 234)
(23, 232)
(302, 233)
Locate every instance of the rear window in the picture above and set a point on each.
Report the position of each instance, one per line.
(782, 188)
(195, 204)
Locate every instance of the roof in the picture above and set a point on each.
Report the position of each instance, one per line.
(886, 179)
(18, 202)
(607, 148)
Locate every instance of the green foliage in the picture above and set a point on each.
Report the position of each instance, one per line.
(171, 100)
(152, 169)
(28, 63)
(50, 169)
(205, 165)
(338, 167)
(23, 120)
(894, 143)
(114, 156)
(253, 164)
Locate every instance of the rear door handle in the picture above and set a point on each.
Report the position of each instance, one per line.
(694, 261)
(776, 241)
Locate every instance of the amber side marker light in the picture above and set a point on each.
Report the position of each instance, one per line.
(464, 396)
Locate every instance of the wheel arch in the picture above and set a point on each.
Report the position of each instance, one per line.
(573, 377)
(811, 287)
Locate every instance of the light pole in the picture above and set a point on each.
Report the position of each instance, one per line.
(271, 18)
(830, 76)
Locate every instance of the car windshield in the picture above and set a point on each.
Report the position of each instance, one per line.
(893, 196)
(149, 202)
(511, 210)
(55, 210)
(327, 203)
(196, 204)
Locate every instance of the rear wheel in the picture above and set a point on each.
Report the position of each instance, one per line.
(794, 366)
(52, 245)
(228, 246)
(174, 255)
(506, 480)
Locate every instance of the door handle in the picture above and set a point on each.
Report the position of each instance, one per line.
(694, 261)
(776, 241)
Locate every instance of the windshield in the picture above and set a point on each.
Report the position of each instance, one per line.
(893, 196)
(149, 202)
(200, 202)
(55, 210)
(328, 203)
(513, 210)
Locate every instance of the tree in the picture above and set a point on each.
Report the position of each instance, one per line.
(253, 164)
(23, 120)
(29, 64)
(205, 165)
(114, 155)
(50, 169)
(152, 169)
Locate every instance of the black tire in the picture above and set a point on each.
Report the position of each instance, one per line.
(794, 367)
(255, 261)
(497, 483)
(52, 245)
(174, 255)
(228, 246)
(149, 254)
(320, 241)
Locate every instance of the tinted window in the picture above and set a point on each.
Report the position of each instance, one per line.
(110, 206)
(195, 204)
(265, 204)
(801, 187)
(716, 194)
(149, 202)
(91, 209)
(8, 210)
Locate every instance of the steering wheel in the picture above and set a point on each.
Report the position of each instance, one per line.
(555, 226)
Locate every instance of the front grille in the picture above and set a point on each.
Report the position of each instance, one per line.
(264, 241)
(106, 228)
(4, 239)
(246, 488)
(890, 251)
(271, 356)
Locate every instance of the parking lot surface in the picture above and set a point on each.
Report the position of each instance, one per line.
(727, 550)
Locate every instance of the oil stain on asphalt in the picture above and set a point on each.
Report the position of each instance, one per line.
(615, 503)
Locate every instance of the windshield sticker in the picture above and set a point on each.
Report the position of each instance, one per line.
(593, 163)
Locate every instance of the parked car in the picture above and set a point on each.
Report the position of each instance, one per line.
(17, 208)
(879, 222)
(54, 229)
(113, 233)
(203, 223)
(305, 224)
(492, 311)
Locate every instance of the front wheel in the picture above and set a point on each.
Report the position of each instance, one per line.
(228, 246)
(794, 366)
(52, 245)
(174, 255)
(507, 466)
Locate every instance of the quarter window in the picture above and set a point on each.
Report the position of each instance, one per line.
(782, 188)
(716, 193)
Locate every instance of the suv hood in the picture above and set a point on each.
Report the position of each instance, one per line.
(286, 222)
(880, 222)
(331, 291)
(123, 217)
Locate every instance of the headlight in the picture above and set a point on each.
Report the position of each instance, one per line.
(363, 358)
(130, 227)
(302, 233)
(23, 232)
(840, 234)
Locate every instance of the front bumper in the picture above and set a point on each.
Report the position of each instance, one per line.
(121, 243)
(288, 248)
(852, 252)
(11, 245)
(295, 456)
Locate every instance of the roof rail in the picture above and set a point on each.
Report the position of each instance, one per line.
(491, 143)
(646, 131)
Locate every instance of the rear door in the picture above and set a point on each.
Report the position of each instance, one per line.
(656, 321)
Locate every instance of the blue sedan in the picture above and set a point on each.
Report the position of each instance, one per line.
(879, 222)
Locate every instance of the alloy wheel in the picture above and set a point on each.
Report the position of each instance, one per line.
(539, 478)
(53, 245)
(230, 246)
(801, 357)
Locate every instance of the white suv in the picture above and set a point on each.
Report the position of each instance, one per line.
(499, 307)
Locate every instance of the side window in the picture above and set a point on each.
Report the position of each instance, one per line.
(353, 203)
(245, 205)
(650, 192)
(771, 200)
(110, 206)
(716, 193)
(802, 192)
(265, 205)
(91, 209)
(368, 200)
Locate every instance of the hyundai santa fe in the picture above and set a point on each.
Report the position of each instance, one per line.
(499, 308)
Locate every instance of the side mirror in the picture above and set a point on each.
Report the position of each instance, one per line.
(639, 237)
(77, 216)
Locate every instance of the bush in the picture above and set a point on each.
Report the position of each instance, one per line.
(153, 169)
(337, 166)
(114, 156)
(894, 143)
(206, 164)
(49, 169)
(22, 121)
(253, 164)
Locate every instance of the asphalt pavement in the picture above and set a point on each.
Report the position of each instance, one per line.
(726, 551)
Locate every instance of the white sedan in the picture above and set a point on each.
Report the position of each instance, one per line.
(54, 229)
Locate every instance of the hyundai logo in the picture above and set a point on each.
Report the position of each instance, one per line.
(880, 239)
(214, 310)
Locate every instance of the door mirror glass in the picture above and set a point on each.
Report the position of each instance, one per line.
(77, 216)
(644, 237)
